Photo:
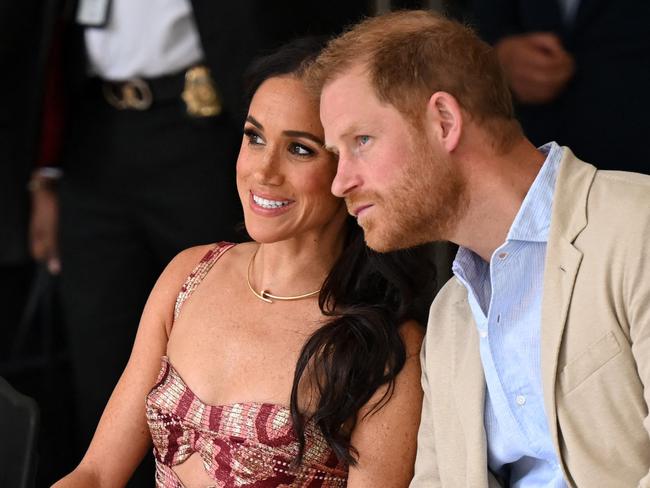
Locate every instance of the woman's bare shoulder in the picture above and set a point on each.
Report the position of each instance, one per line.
(412, 334)
(165, 292)
(187, 260)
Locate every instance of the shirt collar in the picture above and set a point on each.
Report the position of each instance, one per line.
(532, 221)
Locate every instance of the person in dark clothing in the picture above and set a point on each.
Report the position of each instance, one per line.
(150, 105)
(578, 71)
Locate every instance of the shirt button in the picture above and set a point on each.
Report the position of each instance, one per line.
(483, 333)
(521, 399)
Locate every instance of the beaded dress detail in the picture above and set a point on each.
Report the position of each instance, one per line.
(242, 444)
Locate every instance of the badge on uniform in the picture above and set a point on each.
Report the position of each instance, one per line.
(93, 13)
(200, 93)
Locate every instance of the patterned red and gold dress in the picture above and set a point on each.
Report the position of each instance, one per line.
(242, 444)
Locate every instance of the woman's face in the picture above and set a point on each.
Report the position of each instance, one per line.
(284, 174)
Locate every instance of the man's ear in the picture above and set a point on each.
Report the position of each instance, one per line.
(445, 119)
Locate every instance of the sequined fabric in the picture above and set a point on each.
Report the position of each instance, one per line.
(198, 273)
(241, 445)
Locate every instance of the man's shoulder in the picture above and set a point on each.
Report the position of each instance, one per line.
(448, 300)
(621, 196)
(601, 198)
(451, 325)
(634, 185)
(624, 182)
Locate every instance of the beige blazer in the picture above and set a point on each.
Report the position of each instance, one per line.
(595, 342)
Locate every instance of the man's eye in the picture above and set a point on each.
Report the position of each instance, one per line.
(300, 150)
(253, 137)
(363, 140)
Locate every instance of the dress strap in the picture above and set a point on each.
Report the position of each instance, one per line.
(199, 272)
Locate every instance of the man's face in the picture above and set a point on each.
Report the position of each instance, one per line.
(397, 182)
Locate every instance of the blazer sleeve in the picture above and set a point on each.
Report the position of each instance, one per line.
(426, 465)
(638, 291)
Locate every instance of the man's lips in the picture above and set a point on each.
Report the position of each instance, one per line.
(359, 209)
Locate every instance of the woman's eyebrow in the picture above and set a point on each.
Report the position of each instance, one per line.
(306, 135)
(254, 121)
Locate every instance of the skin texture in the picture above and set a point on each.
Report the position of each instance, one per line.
(392, 178)
(467, 191)
(227, 356)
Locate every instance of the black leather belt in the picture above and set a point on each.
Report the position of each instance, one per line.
(194, 85)
(140, 93)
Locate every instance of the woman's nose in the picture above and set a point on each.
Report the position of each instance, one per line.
(268, 171)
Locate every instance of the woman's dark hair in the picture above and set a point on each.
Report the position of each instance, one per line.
(366, 295)
(291, 58)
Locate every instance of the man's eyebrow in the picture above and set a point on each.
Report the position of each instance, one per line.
(254, 121)
(330, 148)
(346, 133)
(306, 135)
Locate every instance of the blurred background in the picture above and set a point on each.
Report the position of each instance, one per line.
(120, 122)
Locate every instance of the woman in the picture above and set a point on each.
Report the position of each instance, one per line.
(283, 360)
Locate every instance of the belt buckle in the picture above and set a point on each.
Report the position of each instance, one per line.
(133, 94)
(200, 93)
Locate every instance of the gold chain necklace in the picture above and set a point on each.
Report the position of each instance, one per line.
(265, 295)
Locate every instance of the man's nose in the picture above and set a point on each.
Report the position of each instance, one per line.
(346, 178)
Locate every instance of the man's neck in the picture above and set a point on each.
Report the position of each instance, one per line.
(496, 185)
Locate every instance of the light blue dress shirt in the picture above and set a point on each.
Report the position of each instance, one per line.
(505, 297)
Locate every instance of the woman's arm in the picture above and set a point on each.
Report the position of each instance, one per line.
(122, 436)
(386, 439)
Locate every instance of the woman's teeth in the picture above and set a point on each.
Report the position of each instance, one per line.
(264, 203)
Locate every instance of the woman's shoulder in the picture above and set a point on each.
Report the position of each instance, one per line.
(412, 334)
(188, 261)
(190, 257)
(182, 269)
(185, 261)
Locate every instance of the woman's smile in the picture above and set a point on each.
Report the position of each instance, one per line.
(265, 205)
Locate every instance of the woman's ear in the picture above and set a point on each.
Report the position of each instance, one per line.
(444, 118)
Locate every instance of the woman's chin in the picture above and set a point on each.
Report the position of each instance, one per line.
(265, 235)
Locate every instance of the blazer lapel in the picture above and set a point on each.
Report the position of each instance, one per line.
(562, 264)
(469, 394)
(569, 218)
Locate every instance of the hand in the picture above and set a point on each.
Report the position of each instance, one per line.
(43, 228)
(536, 66)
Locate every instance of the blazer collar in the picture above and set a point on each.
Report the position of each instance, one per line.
(568, 219)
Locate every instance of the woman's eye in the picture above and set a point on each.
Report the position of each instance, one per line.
(253, 137)
(300, 150)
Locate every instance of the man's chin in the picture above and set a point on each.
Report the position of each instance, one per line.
(380, 243)
(383, 242)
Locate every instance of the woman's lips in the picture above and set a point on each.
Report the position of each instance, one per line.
(269, 206)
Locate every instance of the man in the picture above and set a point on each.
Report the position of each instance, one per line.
(538, 349)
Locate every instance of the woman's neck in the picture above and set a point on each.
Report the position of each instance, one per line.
(295, 266)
